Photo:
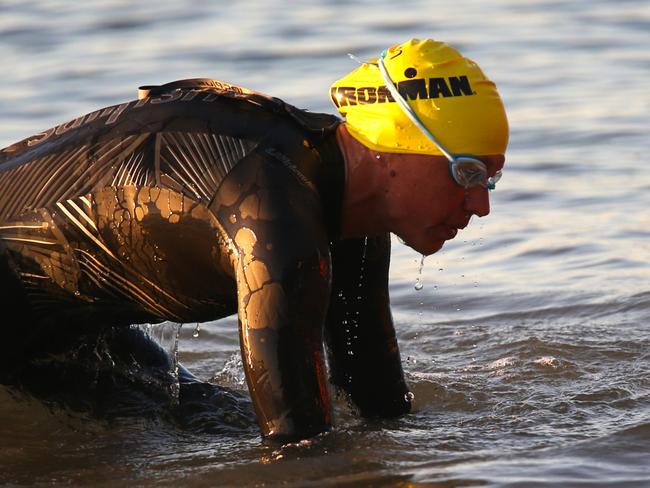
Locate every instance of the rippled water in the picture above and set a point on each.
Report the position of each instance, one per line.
(527, 349)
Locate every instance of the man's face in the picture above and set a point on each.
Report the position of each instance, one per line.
(426, 206)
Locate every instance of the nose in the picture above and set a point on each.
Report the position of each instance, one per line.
(477, 201)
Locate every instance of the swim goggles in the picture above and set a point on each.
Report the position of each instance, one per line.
(466, 170)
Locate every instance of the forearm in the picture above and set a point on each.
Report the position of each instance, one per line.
(281, 334)
(363, 351)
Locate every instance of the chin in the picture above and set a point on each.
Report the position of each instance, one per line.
(426, 248)
(433, 248)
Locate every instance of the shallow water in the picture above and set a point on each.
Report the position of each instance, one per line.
(527, 349)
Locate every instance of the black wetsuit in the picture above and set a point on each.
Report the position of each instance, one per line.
(195, 202)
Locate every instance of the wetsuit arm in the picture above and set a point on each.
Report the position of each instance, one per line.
(282, 267)
(363, 354)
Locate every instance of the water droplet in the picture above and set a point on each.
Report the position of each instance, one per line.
(418, 282)
(421, 264)
(197, 329)
(232, 218)
(409, 397)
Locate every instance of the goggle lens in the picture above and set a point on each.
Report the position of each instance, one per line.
(469, 172)
(493, 180)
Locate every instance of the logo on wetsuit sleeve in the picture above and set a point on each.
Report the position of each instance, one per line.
(415, 89)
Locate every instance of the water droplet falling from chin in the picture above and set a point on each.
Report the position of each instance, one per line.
(197, 330)
(418, 282)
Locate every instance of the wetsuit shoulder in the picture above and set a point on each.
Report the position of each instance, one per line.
(319, 123)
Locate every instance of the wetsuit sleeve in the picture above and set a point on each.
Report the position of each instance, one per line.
(282, 266)
(364, 358)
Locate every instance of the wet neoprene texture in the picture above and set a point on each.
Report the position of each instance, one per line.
(200, 201)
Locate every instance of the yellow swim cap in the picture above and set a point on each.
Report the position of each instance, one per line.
(449, 93)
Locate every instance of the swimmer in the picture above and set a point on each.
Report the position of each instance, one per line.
(202, 199)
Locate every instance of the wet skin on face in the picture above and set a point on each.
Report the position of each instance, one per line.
(426, 206)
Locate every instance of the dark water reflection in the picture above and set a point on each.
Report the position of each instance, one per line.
(527, 349)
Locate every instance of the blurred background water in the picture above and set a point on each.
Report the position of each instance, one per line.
(527, 349)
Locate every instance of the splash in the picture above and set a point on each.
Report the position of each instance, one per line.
(165, 334)
(232, 374)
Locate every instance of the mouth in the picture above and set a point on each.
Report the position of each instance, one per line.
(451, 232)
(443, 232)
(453, 228)
(459, 224)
